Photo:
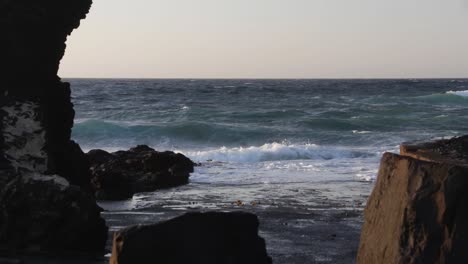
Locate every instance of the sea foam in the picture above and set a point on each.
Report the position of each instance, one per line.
(275, 151)
(459, 93)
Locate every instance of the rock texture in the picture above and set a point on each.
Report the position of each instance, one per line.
(209, 238)
(120, 174)
(47, 214)
(33, 43)
(417, 212)
(46, 203)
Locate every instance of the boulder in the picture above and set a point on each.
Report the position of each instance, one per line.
(120, 174)
(417, 212)
(209, 238)
(45, 213)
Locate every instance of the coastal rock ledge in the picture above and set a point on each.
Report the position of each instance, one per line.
(418, 210)
(119, 175)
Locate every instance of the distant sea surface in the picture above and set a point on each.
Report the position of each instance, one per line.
(269, 131)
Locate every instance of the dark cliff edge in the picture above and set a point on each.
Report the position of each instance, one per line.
(46, 204)
(47, 189)
(417, 212)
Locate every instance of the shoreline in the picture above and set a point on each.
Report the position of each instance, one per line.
(326, 229)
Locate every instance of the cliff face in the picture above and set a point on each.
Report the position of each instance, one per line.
(33, 43)
(417, 211)
(45, 198)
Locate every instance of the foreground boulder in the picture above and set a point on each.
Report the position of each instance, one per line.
(418, 212)
(42, 213)
(209, 238)
(120, 174)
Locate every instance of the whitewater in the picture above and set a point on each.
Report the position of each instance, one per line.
(277, 130)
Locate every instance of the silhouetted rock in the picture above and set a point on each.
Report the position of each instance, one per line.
(45, 213)
(417, 212)
(120, 174)
(46, 201)
(209, 238)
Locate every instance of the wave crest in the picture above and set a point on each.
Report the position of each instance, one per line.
(274, 152)
(459, 93)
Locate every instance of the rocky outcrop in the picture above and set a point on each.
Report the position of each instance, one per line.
(209, 238)
(417, 211)
(120, 174)
(47, 214)
(46, 203)
(33, 43)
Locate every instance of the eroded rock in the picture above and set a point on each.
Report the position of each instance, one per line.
(46, 203)
(209, 238)
(417, 212)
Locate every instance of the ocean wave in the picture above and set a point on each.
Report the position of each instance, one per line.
(459, 93)
(274, 152)
(103, 132)
(449, 97)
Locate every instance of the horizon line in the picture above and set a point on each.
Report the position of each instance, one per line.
(270, 78)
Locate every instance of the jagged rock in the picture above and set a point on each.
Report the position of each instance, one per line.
(120, 174)
(454, 150)
(33, 43)
(417, 212)
(42, 213)
(209, 238)
(45, 190)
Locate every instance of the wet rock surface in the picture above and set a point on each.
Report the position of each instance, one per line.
(417, 211)
(118, 175)
(212, 237)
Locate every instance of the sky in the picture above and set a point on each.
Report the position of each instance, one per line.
(270, 39)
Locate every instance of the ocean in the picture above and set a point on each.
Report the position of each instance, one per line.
(271, 131)
(291, 146)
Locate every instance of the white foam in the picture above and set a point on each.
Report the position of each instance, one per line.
(459, 93)
(361, 132)
(272, 152)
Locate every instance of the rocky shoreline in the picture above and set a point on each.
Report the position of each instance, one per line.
(48, 186)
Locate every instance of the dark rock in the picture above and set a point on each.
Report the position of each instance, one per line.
(120, 174)
(33, 43)
(454, 150)
(209, 238)
(45, 213)
(46, 197)
(417, 212)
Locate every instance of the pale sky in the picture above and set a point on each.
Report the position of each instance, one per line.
(270, 39)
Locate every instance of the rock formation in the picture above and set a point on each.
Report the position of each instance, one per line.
(120, 174)
(209, 238)
(417, 212)
(45, 192)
